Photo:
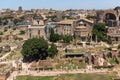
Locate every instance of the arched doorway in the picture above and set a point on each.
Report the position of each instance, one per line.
(110, 20)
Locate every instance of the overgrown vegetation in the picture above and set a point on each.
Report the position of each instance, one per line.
(71, 77)
(1, 33)
(22, 32)
(99, 32)
(35, 49)
(119, 46)
(52, 51)
(91, 17)
(56, 37)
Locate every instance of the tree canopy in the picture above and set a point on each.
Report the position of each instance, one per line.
(53, 36)
(100, 31)
(56, 37)
(35, 49)
(52, 51)
(67, 38)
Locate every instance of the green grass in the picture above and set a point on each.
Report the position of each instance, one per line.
(1, 54)
(111, 61)
(14, 55)
(80, 65)
(34, 78)
(71, 77)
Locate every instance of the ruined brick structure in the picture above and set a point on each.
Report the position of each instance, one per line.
(111, 18)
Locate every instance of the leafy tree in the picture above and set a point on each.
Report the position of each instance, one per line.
(54, 37)
(52, 51)
(35, 48)
(100, 31)
(67, 38)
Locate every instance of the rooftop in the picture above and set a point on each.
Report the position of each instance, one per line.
(34, 26)
(87, 20)
(66, 22)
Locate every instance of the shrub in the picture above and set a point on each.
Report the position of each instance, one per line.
(5, 30)
(14, 28)
(1, 33)
(79, 43)
(22, 32)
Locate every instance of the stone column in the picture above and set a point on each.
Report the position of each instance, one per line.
(117, 20)
(96, 38)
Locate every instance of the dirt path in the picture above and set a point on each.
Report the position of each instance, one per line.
(3, 57)
(53, 73)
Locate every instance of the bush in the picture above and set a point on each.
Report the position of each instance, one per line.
(91, 17)
(67, 38)
(52, 51)
(110, 48)
(87, 43)
(53, 36)
(5, 30)
(99, 31)
(79, 43)
(14, 28)
(1, 33)
(99, 67)
(22, 32)
(35, 49)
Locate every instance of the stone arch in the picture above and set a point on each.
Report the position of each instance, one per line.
(110, 19)
(110, 16)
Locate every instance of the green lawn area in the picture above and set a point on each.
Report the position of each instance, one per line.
(71, 77)
(34, 78)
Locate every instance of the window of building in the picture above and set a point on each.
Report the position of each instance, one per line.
(38, 22)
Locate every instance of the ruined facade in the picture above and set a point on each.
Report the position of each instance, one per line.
(83, 29)
(111, 18)
(37, 29)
